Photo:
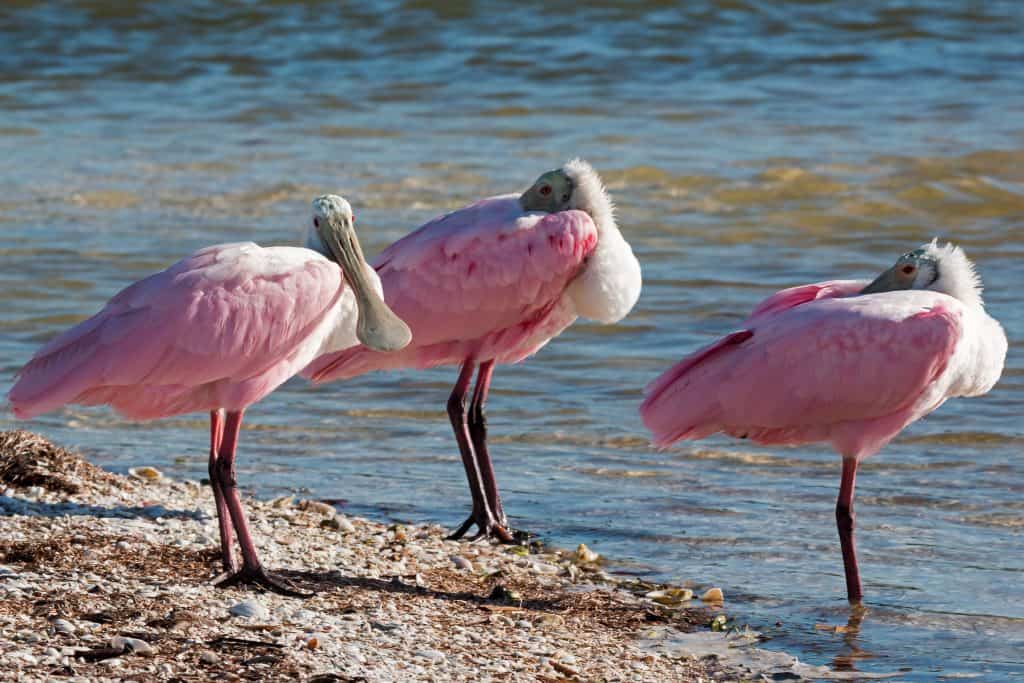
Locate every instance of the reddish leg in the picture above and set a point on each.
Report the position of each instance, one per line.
(252, 571)
(482, 515)
(845, 518)
(478, 433)
(223, 516)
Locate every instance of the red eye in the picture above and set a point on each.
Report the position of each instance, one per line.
(907, 270)
(545, 190)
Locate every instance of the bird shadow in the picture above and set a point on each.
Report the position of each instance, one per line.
(333, 580)
(11, 506)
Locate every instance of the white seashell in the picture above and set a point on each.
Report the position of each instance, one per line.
(585, 555)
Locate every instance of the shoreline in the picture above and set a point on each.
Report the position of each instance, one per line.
(105, 576)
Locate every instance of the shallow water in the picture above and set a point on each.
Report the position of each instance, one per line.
(749, 146)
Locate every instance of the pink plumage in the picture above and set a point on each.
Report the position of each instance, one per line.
(217, 332)
(846, 362)
(221, 328)
(492, 283)
(813, 365)
(484, 282)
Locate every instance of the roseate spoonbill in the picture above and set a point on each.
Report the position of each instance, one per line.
(218, 331)
(847, 362)
(492, 283)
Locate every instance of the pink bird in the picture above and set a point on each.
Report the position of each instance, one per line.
(846, 362)
(217, 332)
(493, 283)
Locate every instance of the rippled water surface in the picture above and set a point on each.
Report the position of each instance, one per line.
(749, 145)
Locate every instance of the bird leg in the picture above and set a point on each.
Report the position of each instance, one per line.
(223, 516)
(252, 571)
(481, 515)
(845, 518)
(478, 433)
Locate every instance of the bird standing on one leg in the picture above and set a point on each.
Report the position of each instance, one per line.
(491, 284)
(217, 332)
(847, 362)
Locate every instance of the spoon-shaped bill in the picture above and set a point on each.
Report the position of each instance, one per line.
(378, 327)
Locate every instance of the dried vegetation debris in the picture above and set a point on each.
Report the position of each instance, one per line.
(28, 459)
(116, 589)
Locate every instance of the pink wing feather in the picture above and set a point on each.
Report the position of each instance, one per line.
(188, 337)
(483, 281)
(801, 372)
(802, 294)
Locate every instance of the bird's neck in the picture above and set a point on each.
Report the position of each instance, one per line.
(314, 243)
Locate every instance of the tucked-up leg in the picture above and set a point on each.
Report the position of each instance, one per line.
(845, 518)
(481, 515)
(227, 553)
(252, 570)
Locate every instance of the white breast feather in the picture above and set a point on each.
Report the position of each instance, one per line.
(609, 286)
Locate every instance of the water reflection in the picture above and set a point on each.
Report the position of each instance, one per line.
(847, 658)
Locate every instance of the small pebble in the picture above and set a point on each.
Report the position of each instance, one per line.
(302, 616)
(208, 657)
(133, 645)
(316, 506)
(355, 653)
(713, 595)
(249, 608)
(145, 473)
(63, 626)
(524, 624)
(345, 525)
(432, 656)
(462, 563)
(670, 596)
(550, 620)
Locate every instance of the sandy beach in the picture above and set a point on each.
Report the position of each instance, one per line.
(108, 577)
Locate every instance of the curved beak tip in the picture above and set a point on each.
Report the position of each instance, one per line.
(389, 335)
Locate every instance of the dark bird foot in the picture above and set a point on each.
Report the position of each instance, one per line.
(487, 526)
(260, 578)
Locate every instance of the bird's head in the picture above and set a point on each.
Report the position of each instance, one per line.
(576, 185)
(332, 233)
(939, 268)
(327, 208)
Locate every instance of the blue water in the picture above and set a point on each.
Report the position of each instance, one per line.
(749, 146)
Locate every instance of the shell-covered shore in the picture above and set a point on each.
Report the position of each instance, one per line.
(109, 577)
